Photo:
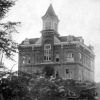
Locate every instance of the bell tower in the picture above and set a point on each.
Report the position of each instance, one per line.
(50, 20)
(49, 31)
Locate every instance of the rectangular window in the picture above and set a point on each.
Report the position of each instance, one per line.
(29, 60)
(47, 47)
(68, 74)
(55, 26)
(80, 56)
(48, 25)
(47, 52)
(67, 71)
(70, 57)
(23, 60)
(57, 57)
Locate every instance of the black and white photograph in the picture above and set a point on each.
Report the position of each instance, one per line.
(49, 49)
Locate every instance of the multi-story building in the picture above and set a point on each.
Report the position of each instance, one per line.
(68, 56)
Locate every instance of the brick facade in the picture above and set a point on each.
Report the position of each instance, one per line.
(67, 55)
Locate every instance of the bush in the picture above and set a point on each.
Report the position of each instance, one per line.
(29, 87)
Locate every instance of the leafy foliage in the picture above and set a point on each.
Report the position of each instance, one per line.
(7, 44)
(58, 88)
(34, 87)
(4, 7)
(13, 87)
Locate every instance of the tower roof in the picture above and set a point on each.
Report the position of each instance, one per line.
(50, 12)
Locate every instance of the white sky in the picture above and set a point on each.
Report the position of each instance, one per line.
(77, 17)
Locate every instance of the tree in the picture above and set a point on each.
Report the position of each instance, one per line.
(7, 45)
(4, 7)
(14, 87)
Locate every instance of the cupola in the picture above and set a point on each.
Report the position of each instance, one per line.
(50, 19)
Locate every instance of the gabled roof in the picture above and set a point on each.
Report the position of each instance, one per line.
(56, 40)
(50, 12)
(39, 41)
(33, 40)
(69, 37)
(30, 41)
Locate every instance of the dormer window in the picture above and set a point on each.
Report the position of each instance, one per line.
(26, 42)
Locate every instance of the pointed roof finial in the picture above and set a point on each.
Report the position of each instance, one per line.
(50, 1)
(50, 12)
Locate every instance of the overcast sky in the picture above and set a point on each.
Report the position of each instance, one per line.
(77, 17)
